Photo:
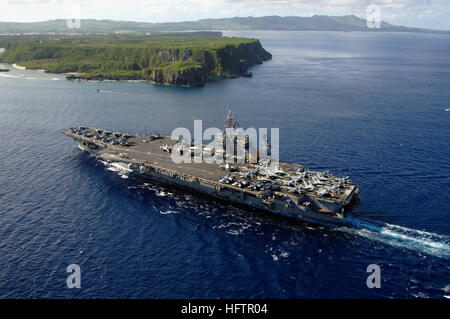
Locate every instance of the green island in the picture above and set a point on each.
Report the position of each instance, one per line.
(181, 58)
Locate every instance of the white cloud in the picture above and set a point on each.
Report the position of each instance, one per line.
(431, 13)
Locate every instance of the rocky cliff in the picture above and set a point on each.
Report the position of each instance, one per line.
(191, 68)
(227, 62)
(167, 59)
(187, 77)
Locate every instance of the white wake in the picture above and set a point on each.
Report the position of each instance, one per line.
(398, 236)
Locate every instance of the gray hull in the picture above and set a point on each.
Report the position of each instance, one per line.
(146, 159)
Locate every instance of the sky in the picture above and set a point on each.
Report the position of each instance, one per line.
(413, 13)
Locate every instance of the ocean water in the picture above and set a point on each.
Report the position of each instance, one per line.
(367, 105)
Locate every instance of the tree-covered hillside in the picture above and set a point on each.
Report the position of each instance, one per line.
(160, 58)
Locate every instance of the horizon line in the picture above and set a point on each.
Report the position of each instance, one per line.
(233, 17)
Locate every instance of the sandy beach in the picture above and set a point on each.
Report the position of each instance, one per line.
(19, 67)
(24, 68)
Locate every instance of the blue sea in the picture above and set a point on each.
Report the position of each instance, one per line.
(367, 105)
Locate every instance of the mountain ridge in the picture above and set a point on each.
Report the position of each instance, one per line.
(274, 22)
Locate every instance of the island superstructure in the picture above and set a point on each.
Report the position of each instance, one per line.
(286, 189)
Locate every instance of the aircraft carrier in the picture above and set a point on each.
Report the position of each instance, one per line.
(290, 190)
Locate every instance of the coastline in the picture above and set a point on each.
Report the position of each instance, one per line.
(230, 58)
(19, 67)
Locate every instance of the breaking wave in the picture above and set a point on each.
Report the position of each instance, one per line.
(111, 92)
(8, 76)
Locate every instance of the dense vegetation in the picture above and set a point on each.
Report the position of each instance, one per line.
(133, 57)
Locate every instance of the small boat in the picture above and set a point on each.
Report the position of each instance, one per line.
(447, 109)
